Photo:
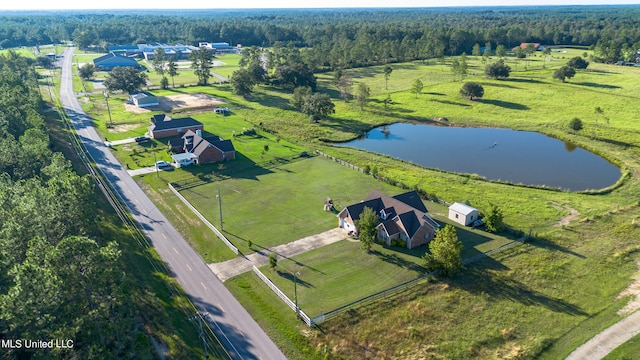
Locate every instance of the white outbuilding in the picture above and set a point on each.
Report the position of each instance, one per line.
(463, 214)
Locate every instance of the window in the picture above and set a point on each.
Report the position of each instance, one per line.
(456, 216)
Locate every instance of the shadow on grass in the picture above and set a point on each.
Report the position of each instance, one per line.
(500, 84)
(270, 100)
(505, 104)
(398, 261)
(435, 94)
(596, 85)
(449, 102)
(477, 281)
(290, 277)
(528, 81)
(550, 245)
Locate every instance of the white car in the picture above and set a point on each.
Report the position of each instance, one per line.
(162, 164)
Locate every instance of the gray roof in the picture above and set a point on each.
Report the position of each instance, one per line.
(462, 208)
(408, 208)
(175, 123)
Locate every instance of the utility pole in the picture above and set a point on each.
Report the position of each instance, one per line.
(106, 98)
(155, 161)
(204, 343)
(220, 204)
(295, 292)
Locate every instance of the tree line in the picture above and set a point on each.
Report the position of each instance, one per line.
(335, 39)
(58, 278)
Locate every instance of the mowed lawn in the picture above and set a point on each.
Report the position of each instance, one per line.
(281, 204)
(341, 273)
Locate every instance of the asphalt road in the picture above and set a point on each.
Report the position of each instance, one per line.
(239, 333)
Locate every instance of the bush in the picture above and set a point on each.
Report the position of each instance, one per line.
(273, 260)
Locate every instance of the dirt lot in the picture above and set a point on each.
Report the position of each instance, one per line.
(178, 103)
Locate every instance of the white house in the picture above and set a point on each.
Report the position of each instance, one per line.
(463, 214)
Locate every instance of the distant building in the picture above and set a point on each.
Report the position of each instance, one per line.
(110, 61)
(536, 46)
(177, 51)
(221, 47)
(143, 99)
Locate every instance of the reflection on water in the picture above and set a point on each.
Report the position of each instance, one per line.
(497, 154)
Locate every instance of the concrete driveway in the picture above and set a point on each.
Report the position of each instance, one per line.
(228, 269)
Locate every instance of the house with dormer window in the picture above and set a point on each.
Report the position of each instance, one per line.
(402, 217)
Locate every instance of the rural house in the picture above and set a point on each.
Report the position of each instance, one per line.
(143, 99)
(402, 217)
(110, 61)
(164, 126)
(204, 149)
(463, 214)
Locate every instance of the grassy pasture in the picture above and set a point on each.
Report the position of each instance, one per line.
(541, 300)
(273, 206)
(538, 300)
(341, 273)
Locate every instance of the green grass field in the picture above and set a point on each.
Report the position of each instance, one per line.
(541, 300)
(277, 205)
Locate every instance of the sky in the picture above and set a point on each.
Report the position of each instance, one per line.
(209, 4)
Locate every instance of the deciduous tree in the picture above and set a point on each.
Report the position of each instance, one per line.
(472, 90)
(127, 79)
(242, 82)
(575, 124)
(444, 252)
(367, 227)
(498, 70)
(578, 63)
(564, 73)
(417, 87)
(86, 71)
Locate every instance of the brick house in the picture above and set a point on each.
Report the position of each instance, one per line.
(402, 217)
(163, 126)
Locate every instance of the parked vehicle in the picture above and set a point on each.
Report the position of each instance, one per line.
(142, 139)
(162, 164)
(477, 223)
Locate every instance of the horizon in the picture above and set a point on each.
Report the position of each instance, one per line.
(150, 5)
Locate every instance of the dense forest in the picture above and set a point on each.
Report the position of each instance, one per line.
(59, 279)
(343, 38)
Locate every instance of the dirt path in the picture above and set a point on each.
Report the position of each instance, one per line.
(228, 269)
(565, 220)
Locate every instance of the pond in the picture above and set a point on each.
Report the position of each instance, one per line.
(496, 154)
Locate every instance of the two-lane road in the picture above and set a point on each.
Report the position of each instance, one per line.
(239, 333)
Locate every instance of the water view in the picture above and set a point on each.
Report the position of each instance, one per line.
(496, 154)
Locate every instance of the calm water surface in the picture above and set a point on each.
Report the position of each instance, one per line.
(497, 154)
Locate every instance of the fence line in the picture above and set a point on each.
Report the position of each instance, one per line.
(204, 220)
(341, 162)
(401, 287)
(283, 296)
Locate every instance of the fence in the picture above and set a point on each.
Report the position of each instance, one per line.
(204, 220)
(341, 162)
(283, 296)
(398, 288)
